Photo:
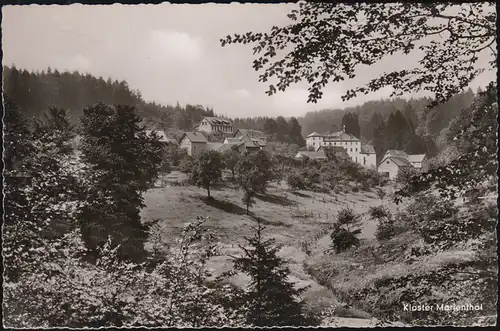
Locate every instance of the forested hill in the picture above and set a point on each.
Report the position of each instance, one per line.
(35, 92)
(427, 122)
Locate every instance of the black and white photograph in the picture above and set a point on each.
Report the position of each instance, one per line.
(231, 164)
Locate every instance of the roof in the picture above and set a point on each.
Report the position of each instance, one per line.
(312, 155)
(163, 136)
(336, 136)
(367, 149)
(213, 146)
(396, 153)
(218, 121)
(233, 140)
(416, 157)
(195, 137)
(251, 133)
(228, 146)
(400, 162)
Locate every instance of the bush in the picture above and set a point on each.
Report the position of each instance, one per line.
(345, 231)
(405, 174)
(385, 227)
(295, 181)
(342, 239)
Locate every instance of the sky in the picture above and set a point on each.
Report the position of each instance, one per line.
(171, 53)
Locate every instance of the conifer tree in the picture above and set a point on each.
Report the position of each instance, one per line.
(270, 298)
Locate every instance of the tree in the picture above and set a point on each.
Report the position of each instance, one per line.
(476, 161)
(270, 127)
(207, 169)
(375, 120)
(253, 173)
(385, 227)
(346, 229)
(351, 123)
(55, 127)
(344, 37)
(231, 158)
(271, 300)
(295, 132)
(126, 162)
(283, 132)
(380, 141)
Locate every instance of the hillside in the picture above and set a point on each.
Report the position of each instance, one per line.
(35, 92)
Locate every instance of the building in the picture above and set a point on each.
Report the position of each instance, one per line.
(251, 144)
(238, 146)
(193, 142)
(215, 124)
(419, 161)
(337, 150)
(315, 155)
(350, 143)
(393, 160)
(368, 156)
(163, 137)
(252, 135)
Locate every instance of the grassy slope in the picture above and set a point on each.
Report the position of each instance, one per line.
(290, 219)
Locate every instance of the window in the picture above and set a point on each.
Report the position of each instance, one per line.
(387, 162)
(356, 149)
(334, 144)
(330, 144)
(351, 149)
(356, 159)
(364, 160)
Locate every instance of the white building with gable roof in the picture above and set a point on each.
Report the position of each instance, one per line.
(364, 155)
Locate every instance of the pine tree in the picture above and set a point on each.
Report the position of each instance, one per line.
(271, 300)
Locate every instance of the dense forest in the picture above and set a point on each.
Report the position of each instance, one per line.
(35, 92)
(388, 124)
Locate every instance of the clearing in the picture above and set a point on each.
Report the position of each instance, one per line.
(291, 219)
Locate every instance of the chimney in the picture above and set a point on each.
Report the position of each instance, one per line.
(343, 128)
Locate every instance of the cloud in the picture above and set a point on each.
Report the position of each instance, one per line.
(175, 46)
(78, 62)
(242, 93)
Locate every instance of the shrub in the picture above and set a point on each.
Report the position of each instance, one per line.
(385, 227)
(344, 235)
(343, 239)
(295, 181)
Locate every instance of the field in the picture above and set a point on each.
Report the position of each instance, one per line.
(291, 219)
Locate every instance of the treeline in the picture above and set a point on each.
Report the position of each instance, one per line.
(431, 123)
(35, 92)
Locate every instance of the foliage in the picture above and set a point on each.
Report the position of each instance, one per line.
(405, 174)
(295, 181)
(351, 123)
(126, 162)
(231, 158)
(38, 91)
(271, 300)
(385, 227)
(42, 189)
(344, 37)
(252, 173)
(344, 235)
(62, 290)
(186, 164)
(207, 169)
(476, 162)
